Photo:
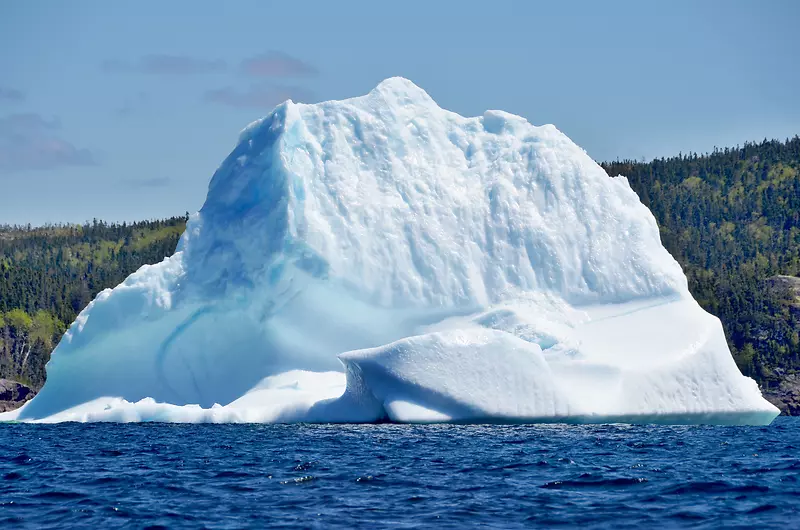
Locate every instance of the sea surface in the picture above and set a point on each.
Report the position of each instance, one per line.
(399, 476)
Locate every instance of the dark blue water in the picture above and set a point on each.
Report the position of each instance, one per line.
(234, 476)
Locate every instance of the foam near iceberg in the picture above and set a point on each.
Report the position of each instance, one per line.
(380, 258)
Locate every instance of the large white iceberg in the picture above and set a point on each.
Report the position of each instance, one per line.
(381, 258)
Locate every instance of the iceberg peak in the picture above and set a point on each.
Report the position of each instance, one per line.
(399, 85)
(401, 92)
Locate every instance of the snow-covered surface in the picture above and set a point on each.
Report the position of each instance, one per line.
(382, 258)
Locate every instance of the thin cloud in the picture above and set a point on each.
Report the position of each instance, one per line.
(11, 94)
(30, 142)
(160, 64)
(258, 96)
(155, 182)
(133, 104)
(276, 64)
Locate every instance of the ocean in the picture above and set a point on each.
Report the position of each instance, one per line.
(400, 476)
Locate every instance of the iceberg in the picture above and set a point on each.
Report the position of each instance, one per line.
(383, 259)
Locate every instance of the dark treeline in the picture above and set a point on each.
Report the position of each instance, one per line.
(48, 274)
(732, 220)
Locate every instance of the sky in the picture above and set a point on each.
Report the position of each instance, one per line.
(123, 110)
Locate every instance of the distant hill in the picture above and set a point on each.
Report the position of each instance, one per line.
(731, 218)
(49, 274)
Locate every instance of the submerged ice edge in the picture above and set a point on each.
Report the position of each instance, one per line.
(149, 411)
(461, 268)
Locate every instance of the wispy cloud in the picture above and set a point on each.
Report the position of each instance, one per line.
(30, 142)
(133, 103)
(11, 94)
(276, 64)
(258, 96)
(273, 64)
(161, 64)
(155, 182)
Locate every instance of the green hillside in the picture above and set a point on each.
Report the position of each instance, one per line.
(48, 274)
(732, 220)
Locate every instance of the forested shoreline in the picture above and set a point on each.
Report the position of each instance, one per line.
(731, 218)
(49, 274)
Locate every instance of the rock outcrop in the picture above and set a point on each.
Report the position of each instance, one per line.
(13, 394)
(787, 396)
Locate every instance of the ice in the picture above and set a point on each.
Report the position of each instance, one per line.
(380, 258)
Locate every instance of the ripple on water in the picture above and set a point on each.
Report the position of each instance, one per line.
(593, 482)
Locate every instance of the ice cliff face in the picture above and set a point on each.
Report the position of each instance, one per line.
(410, 205)
(381, 257)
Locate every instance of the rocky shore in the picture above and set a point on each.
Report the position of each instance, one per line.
(787, 396)
(13, 394)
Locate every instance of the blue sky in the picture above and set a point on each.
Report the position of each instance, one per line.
(123, 110)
